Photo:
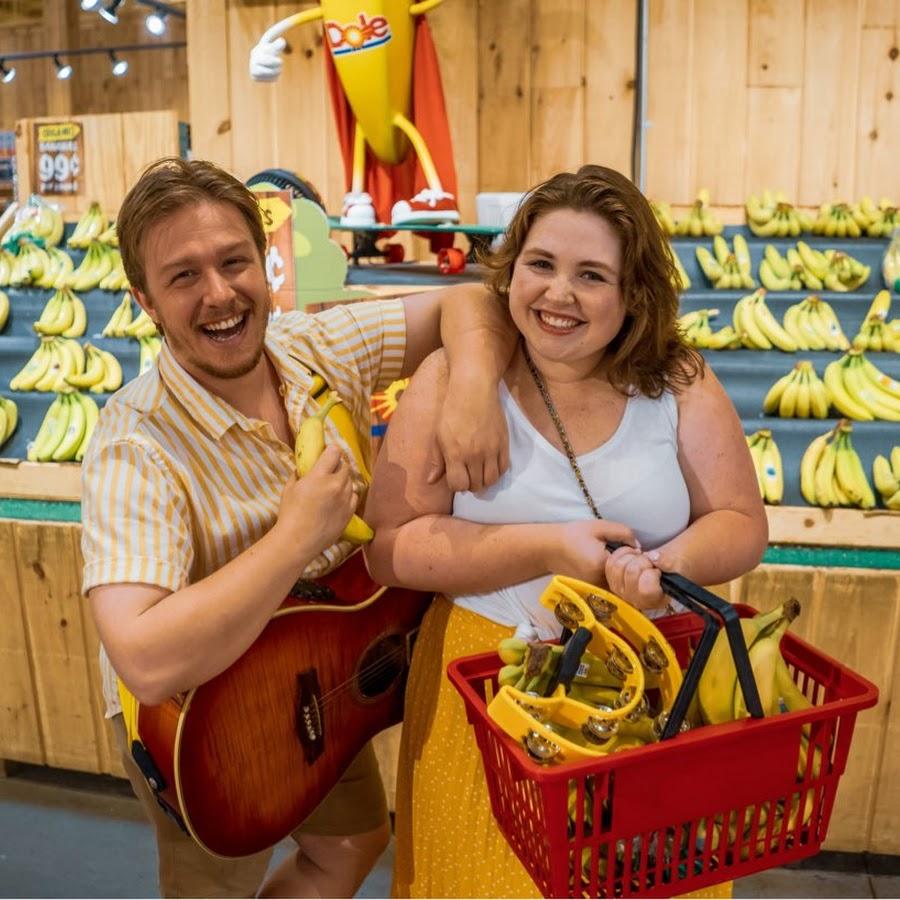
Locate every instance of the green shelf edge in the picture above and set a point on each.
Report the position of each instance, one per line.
(825, 557)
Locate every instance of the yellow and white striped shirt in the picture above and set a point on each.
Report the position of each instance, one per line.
(176, 482)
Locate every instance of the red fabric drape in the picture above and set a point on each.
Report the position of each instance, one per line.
(385, 183)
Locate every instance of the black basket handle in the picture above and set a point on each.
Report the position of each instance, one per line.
(701, 601)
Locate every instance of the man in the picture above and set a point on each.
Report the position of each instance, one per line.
(194, 525)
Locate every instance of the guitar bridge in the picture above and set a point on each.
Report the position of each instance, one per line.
(309, 724)
(304, 589)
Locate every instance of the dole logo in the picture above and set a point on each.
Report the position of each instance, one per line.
(363, 34)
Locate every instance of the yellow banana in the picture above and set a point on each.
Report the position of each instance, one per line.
(824, 475)
(772, 473)
(883, 477)
(838, 396)
(308, 447)
(849, 471)
(809, 464)
(718, 683)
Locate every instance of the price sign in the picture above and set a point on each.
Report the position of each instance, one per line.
(276, 210)
(58, 158)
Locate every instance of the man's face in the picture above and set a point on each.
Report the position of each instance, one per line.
(206, 287)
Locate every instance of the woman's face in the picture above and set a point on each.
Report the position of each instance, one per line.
(564, 296)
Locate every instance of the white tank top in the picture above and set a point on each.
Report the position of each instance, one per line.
(634, 478)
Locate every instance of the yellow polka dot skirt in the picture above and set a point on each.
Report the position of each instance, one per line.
(447, 841)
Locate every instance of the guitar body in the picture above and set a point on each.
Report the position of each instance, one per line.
(246, 757)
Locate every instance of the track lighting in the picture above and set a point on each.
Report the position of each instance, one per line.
(89, 5)
(110, 12)
(156, 23)
(63, 70)
(7, 73)
(119, 66)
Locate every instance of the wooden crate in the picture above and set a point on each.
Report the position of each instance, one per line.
(116, 147)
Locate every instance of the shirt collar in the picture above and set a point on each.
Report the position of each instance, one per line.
(213, 414)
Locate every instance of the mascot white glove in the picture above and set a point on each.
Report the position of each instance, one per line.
(265, 59)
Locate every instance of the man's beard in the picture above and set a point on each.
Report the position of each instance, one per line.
(239, 372)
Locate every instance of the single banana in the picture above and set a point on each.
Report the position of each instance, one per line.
(91, 414)
(764, 656)
(883, 477)
(809, 464)
(308, 447)
(838, 396)
(773, 397)
(772, 473)
(770, 326)
(824, 474)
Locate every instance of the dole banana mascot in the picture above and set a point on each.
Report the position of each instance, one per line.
(384, 76)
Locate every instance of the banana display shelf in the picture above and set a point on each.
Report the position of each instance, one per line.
(18, 341)
(747, 375)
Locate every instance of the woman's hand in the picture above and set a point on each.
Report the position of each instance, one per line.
(634, 576)
(471, 440)
(578, 549)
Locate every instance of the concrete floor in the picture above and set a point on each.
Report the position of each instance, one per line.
(72, 835)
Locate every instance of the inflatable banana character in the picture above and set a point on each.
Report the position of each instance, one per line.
(384, 76)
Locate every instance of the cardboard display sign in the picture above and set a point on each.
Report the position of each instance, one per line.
(276, 210)
(58, 158)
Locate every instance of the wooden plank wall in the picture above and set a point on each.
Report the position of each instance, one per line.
(155, 80)
(799, 95)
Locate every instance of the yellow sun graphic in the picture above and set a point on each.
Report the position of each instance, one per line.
(385, 402)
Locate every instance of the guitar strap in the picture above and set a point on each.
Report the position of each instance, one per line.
(340, 416)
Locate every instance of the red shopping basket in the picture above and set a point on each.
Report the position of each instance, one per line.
(706, 806)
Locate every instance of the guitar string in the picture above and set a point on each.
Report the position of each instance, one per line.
(383, 663)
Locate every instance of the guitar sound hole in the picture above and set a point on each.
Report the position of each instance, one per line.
(381, 666)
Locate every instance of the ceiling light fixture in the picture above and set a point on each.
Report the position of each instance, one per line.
(110, 12)
(8, 74)
(63, 70)
(156, 23)
(89, 5)
(119, 66)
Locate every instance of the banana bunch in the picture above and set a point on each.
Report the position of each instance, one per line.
(771, 215)
(39, 219)
(96, 265)
(663, 213)
(767, 462)
(757, 327)
(142, 327)
(683, 281)
(120, 319)
(7, 261)
(719, 693)
(859, 390)
(116, 280)
(46, 370)
(59, 270)
(727, 269)
(831, 472)
(876, 333)
(777, 274)
(109, 237)
(831, 270)
(700, 220)
(886, 476)
(814, 325)
(840, 220)
(800, 394)
(4, 309)
(66, 430)
(100, 373)
(308, 447)
(90, 226)
(150, 347)
(57, 360)
(64, 314)
(29, 264)
(698, 333)
(9, 417)
(881, 220)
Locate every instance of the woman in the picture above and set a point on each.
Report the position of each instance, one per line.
(610, 414)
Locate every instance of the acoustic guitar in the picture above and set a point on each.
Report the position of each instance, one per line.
(242, 760)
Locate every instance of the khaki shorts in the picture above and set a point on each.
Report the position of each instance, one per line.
(355, 805)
